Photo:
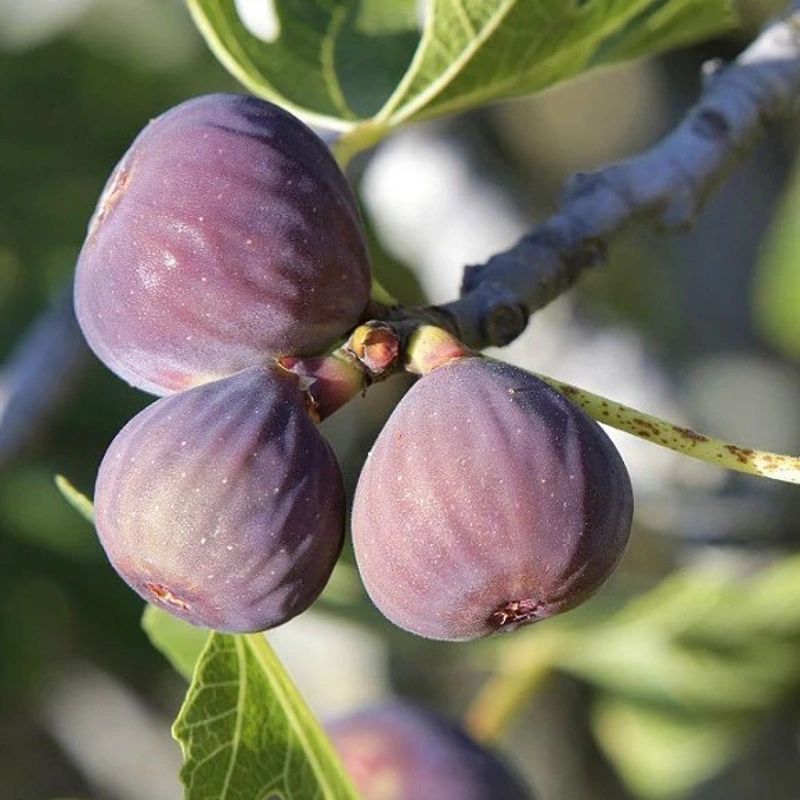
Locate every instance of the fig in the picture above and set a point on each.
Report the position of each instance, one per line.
(223, 504)
(396, 751)
(227, 235)
(488, 501)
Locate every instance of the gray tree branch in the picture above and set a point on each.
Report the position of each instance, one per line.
(666, 185)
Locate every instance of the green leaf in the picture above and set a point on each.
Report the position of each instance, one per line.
(247, 734)
(663, 26)
(333, 62)
(476, 51)
(79, 501)
(703, 640)
(664, 755)
(363, 67)
(688, 670)
(180, 642)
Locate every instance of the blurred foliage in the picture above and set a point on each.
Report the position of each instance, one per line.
(181, 643)
(686, 672)
(70, 108)
(777, 284)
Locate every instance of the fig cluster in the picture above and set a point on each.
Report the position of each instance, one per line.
(225, 240)
(224, 260)
(396, 751)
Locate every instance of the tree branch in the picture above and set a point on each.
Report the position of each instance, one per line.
(666, 185)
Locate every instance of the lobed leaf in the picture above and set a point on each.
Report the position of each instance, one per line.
(365, 64)
(476, 51)
(247, 734)
(332, 61)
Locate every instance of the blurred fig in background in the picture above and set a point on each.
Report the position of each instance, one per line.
(396, 751)
(224, 504)
(226, 235)
(489, 501)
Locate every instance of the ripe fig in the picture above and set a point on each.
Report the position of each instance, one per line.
(223, 504)
(488, 501)
(396, 751)
(225, 236)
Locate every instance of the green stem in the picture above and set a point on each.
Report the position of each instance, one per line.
(731, 456)
(357, 139)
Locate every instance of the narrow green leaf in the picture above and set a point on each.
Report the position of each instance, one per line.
(476, 51)
(333, 62)
(179, 642)
(79, 501)
(247, 734)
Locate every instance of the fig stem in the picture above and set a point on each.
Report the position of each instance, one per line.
(682, 440)
(423, 347)
(357, 139)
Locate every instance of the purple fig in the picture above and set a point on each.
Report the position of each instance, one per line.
(223, 504)
(395, 751)
(488, 501)
(226, 236)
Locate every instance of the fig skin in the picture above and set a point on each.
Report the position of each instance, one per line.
(395, 751)
(488, 501)
(224, 505)
(226, 235)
